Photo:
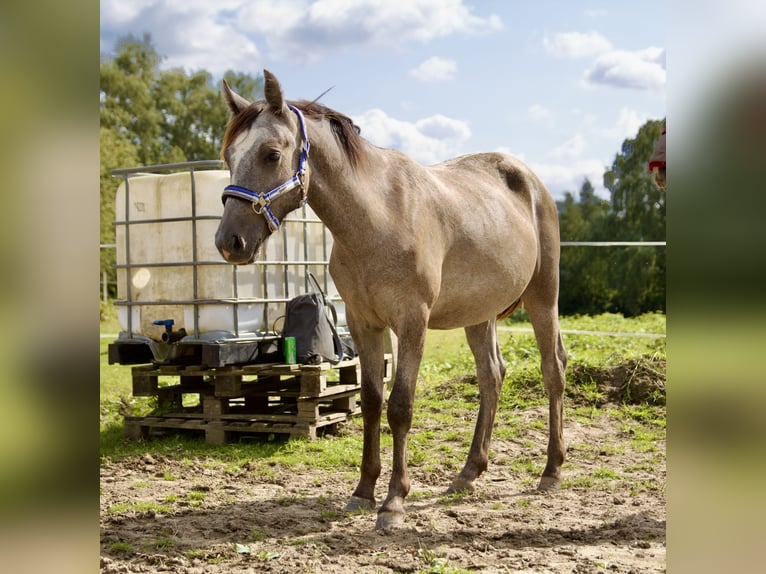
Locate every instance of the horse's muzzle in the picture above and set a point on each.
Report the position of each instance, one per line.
(235, 249)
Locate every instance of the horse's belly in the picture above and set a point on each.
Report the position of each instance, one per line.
(476, 298)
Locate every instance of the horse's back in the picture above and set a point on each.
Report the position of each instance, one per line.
(516, 176)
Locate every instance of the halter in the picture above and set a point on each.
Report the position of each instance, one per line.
(262, 201)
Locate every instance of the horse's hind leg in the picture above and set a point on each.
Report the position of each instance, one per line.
(543, 313)
(490, 371)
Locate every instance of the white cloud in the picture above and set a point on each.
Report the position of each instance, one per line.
(571, 148)
(115, 12)
(562, 177)
(198, 46)
(538, 113)
(435, 69)
(428, 140)
(190, 33)
(309, 29)
(576, 44)
(641, 70)
(626, 125)
(273, 17)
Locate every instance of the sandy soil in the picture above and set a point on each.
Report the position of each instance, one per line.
(608, 517)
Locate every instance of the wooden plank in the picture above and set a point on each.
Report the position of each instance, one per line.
(258, 417)
(133, 430)
(339, 389)
(144, 384)
(351, 374)
(313, 382)
(190, 415)
(345, 403)
(228, 385)
(216, 434)
(308, 410)
(170, 369)
(213, 407)
(221, 431)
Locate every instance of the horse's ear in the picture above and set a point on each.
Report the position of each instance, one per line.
(273, 92)
(235, 102)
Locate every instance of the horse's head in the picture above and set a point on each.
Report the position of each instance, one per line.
(266, 148)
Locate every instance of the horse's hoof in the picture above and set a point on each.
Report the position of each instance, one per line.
(549, 483)
(460, 485)
(389, 520)
(359, 504)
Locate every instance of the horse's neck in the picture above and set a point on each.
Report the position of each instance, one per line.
(347, 200)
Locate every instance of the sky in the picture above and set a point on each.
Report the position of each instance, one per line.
(559, 84)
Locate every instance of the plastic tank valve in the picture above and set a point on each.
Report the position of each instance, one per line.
(170, 336)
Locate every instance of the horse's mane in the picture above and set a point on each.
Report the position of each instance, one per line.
(345, 131)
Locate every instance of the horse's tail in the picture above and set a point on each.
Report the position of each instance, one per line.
(507, 313)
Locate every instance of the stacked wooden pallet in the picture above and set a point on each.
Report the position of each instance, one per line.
(231, 401)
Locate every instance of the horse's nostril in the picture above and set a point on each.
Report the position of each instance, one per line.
(238, 242)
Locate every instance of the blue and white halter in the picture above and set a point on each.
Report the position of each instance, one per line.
(262, 201)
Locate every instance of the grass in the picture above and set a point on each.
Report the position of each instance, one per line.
(140, 507)
(120, 547)
(446, 401)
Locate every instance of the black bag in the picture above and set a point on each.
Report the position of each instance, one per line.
(312, 320)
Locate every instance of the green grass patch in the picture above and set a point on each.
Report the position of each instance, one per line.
(121, 547)
(446, 401)
(139, 507)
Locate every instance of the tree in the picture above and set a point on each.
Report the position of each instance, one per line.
(585, 274)
(116, 150)
(628, 280)
(638, 214)
(638, 205)
(127, 102)
(151, 116)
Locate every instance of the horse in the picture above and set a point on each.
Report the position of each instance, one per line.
(456, 244)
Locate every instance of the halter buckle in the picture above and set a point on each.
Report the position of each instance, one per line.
(260, 203)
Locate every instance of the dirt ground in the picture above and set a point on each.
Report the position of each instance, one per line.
(608, 517)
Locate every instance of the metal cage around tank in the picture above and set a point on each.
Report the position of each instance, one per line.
(169, 270)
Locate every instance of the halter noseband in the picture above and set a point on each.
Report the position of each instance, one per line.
(262, 201)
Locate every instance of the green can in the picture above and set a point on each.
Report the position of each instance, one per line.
(291, 356)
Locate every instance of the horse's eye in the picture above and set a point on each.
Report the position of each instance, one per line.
(273, 156)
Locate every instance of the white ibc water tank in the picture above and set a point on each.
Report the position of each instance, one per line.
(169, 268)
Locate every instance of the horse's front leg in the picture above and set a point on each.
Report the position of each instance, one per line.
(411, 341)
(369, 344)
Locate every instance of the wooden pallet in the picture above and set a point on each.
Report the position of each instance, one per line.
(250, 399)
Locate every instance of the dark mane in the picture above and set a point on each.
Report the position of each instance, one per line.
(344, 129)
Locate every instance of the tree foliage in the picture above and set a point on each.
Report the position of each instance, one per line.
(152, 116)
(628, 280)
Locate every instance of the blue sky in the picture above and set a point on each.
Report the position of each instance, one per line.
(559, 84)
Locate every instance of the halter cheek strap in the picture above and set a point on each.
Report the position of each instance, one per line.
(262, 201)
